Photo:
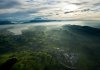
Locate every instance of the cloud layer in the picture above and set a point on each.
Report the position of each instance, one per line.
(49, 9)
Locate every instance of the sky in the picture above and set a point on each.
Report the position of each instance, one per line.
(49, 9)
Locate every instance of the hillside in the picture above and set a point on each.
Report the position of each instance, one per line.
(68, 47)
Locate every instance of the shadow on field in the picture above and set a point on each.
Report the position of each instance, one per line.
(8, 64)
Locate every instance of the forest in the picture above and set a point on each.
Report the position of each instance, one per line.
(68, 47)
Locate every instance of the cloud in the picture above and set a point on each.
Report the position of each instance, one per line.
(4, 4)
(47, 8)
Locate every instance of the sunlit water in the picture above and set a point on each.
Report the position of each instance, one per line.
(17, 28)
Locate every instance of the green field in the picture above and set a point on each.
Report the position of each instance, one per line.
(68, 47)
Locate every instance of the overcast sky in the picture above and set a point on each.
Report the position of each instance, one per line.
(49, 9)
